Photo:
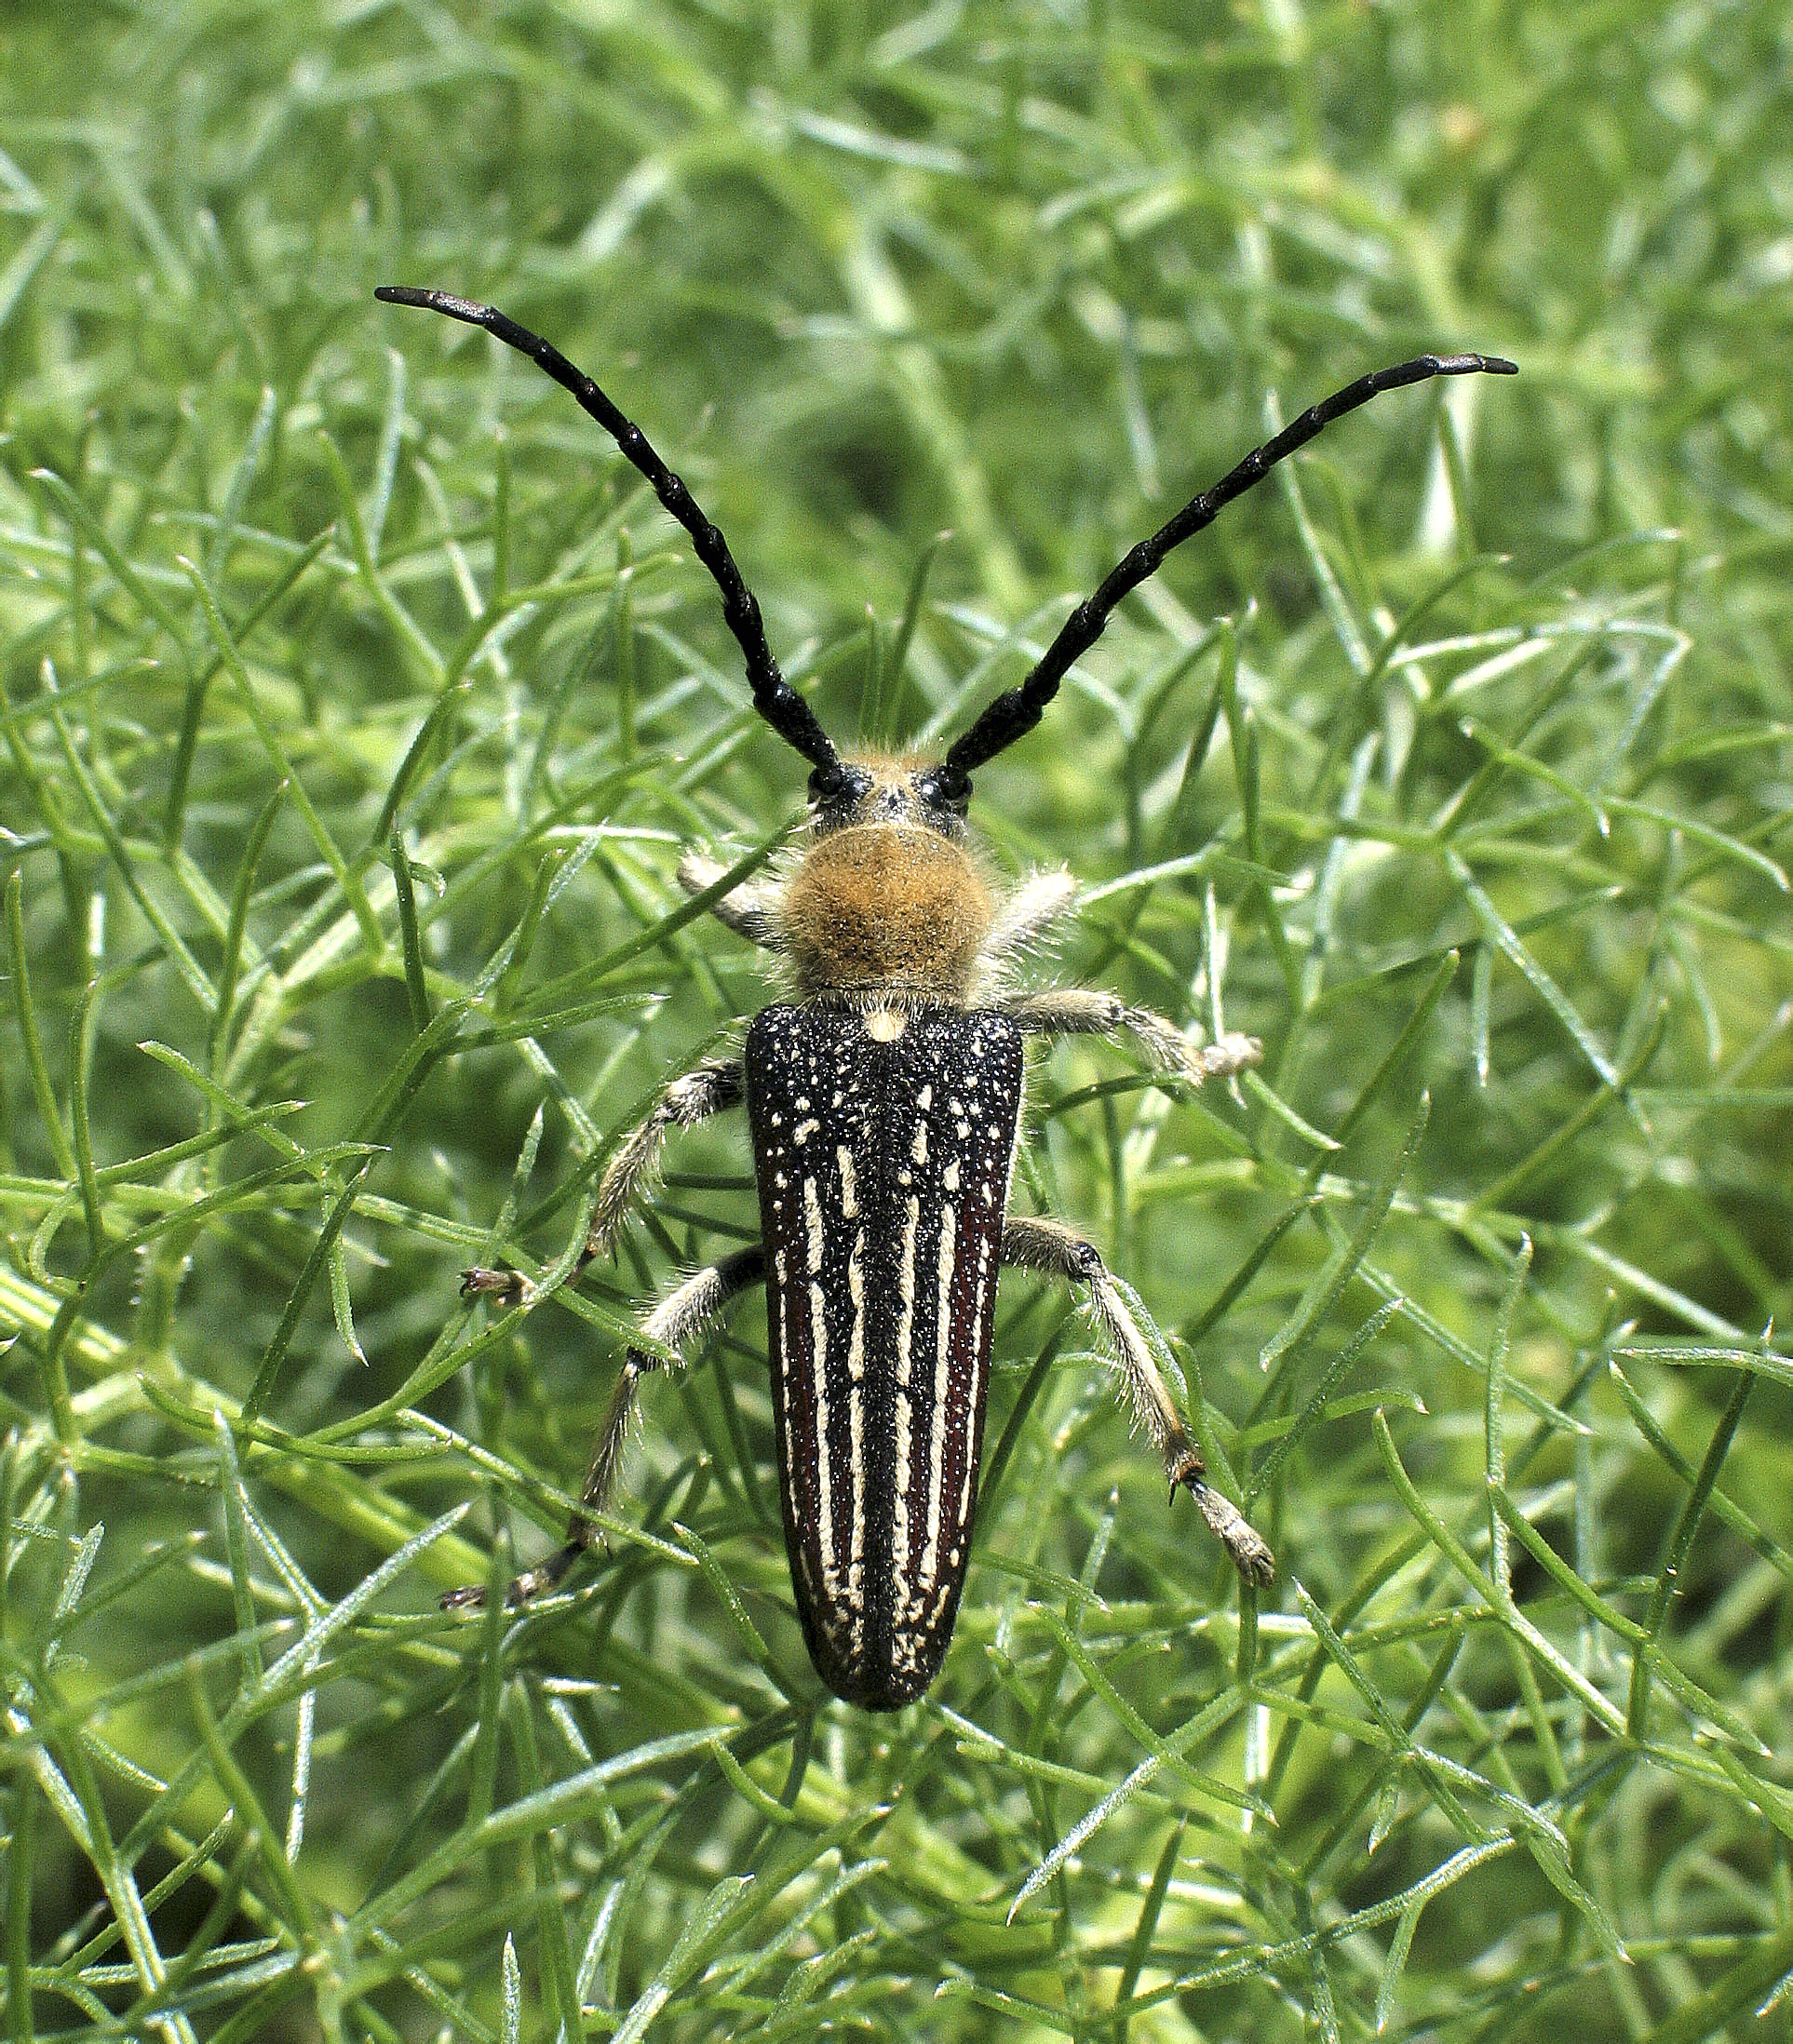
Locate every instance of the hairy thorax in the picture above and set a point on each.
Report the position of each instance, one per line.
(891, 907)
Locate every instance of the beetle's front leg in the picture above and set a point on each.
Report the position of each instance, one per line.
(751, 910)
(677, 1320)
(707, 1089)
(1076, 1011)
(1046, 1245)
(1049, 894)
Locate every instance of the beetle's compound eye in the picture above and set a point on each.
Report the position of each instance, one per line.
(943, 792)
(836, 790)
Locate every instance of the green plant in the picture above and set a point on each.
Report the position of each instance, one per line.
(356, 697)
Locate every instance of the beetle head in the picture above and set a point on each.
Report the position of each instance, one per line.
(875, 788)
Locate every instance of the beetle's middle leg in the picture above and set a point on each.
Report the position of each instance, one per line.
(717, 1083)
(679, 1319)
(1046, 1245)
(1076, 1011)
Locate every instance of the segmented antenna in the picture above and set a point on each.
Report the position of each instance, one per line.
(1013, 715)
(774, 697)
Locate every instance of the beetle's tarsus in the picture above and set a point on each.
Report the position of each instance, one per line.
(1250, 1550)
(533, 1582)
(1081, 1011)
(1049, 1246)
(510, 1284)
(1228, 1055)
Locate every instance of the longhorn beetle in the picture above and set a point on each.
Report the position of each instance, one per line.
(883, 1102)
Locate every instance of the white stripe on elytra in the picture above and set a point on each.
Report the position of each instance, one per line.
(813, 1225)
(823, 1501)
(976, 1389)
(856, 1434)
(930, 1563)
(857, 1293)
(899, 1527)
(776, 1329)
(849, 1191)
(905, 1335)
(905, 1289)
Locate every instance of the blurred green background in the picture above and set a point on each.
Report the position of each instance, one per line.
(358, 698)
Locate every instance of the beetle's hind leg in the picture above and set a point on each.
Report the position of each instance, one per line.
(680, 1318)
(1046, 1245)
(707, 1089)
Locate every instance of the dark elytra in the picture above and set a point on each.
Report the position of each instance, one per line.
(883, 1179)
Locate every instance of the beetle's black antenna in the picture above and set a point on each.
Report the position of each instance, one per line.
(1013, 715)
(774, 697)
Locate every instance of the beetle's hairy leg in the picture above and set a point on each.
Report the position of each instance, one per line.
(751, 910)
(1058, 1251)
(1019, 919)
(1076, 1011)
(717, 1083)
(677, 1320)
(1046, 897)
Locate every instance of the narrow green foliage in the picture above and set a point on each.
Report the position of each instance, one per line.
(355, 700)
